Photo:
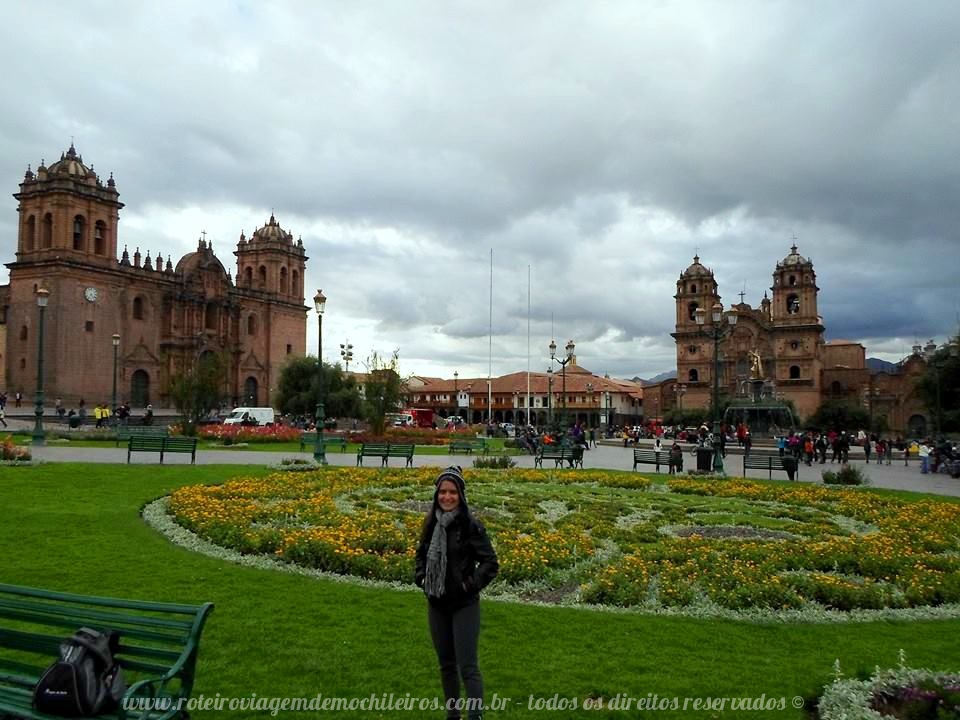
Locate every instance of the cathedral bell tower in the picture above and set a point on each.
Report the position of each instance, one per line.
(270, 261)
(794, 292)
(65, 210)
(696, 289)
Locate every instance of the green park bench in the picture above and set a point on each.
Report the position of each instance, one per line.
(770, 463)
(163, 445)
(309, 438)
(400, 451)
(650, 457)
(571, 455)
(467, 445)
(125, 432)
(372, 450)
(158, 648)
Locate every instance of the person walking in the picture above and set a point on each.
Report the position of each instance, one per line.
(3, 416)
(454, 562)
(924, 455)
(866, 449)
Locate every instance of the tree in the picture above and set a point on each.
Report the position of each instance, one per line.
(942, 376)
(299, 389)
(198, 388)
(839, 415)
(383, 390)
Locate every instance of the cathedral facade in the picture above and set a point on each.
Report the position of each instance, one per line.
(780, 344)
(782, 340)
(164, 316)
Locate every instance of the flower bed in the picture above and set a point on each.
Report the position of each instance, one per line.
(416, 436)
(902, 692)
(233, 434)
(609, 538)
(11, 452)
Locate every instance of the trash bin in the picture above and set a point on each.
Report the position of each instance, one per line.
(704, 459)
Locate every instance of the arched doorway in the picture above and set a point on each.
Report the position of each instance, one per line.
(140, 389)
(250, 395)
(917, 426)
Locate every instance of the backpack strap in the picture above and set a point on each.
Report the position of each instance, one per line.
(98, 645)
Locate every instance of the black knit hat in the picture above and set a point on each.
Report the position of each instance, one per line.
(454, 474)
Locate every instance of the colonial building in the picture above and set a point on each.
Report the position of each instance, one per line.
(167, 315)
(594, 400)
(781, 343)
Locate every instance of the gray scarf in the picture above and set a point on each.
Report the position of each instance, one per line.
(435, 581)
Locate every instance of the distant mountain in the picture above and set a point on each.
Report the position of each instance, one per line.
(656, 378)
(878, 365)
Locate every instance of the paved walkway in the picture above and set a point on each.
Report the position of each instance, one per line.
(612, 456)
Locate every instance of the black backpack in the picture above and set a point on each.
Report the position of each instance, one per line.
(86, 680)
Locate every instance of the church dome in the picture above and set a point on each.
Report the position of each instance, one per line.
(71, 164)
(271, 232)
(696, 269)
(794, 258)
(201, 259)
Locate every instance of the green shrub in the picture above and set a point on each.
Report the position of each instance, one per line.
(847, 475)
(494, 463)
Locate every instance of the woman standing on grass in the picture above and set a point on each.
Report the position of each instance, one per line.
(455, 561)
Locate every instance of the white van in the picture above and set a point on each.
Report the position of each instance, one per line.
(250, 416)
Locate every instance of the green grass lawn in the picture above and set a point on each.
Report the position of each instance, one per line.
(76, 528)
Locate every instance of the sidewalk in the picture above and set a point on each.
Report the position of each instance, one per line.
(612, 457)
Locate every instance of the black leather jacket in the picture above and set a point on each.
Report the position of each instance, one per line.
(471, 563)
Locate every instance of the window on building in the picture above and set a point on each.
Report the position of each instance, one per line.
(100, 238)
(295, 284)
(210, 317)
(24, 333)
(29, 241)
(248, 276)
(88, 326)
(691, 310)
(79, 228)
(46, 231)
(792, 280)
(794, 372)
(693, 376)
(283, 280)
(289, 348)
(138, 308)
(252, 325)
(23, 363)
(793, 304)
(262, 273)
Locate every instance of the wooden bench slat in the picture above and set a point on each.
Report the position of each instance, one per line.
(85, 600)
(67, 621)
(96, 615)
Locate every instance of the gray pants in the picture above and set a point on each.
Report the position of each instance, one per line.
(455, 638)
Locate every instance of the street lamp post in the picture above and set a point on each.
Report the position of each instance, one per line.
(116, 349)
(930, 353)
(319, 451)
(589, 404)
(717, 331)
(346, 354)
(679, 391)
(563, 373)
(43, 295)
(550, 396)
(606, 412)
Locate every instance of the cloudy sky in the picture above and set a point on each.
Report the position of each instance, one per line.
(598, 144)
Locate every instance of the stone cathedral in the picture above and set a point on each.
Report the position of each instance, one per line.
(168, 314)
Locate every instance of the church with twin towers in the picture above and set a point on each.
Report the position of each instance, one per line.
(165, 313)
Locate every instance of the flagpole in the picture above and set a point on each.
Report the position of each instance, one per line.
(490, 366)
(528, 346)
